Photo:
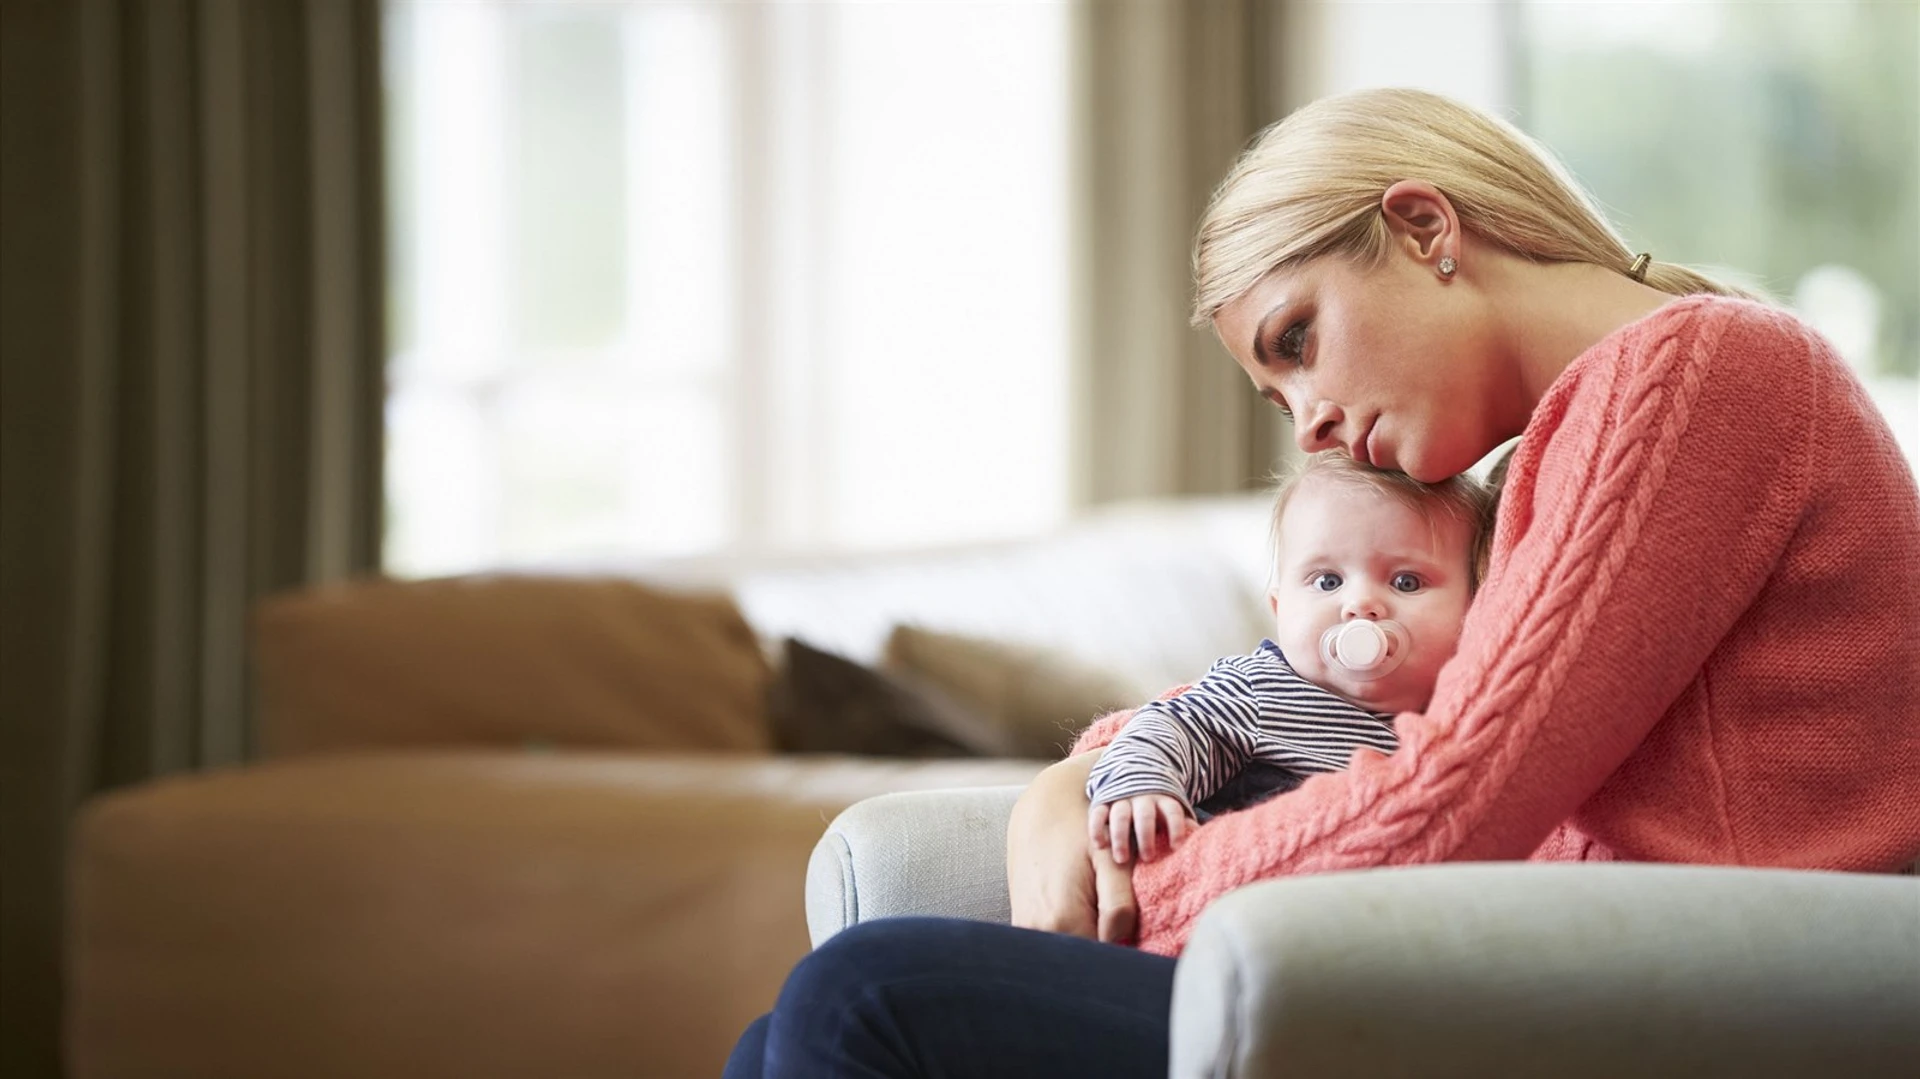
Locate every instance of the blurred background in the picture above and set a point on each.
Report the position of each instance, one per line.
(684, 278)
(297, 292)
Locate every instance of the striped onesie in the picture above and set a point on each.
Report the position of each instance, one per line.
(1250, 729)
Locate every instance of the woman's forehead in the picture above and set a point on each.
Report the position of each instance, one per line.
(1274, 290)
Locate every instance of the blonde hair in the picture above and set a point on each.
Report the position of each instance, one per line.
(1311, 185)
(1461, 498)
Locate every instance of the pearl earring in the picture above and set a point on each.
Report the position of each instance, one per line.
(1447, 265)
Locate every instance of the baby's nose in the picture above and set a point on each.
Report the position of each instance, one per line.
(1364, 604)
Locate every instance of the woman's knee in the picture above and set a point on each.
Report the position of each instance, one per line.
(862, 956)
(828, 1018)
(888, 997)
(749, 1056)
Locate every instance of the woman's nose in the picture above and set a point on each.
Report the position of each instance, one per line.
(1313, 431)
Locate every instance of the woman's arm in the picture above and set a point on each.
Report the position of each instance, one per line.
(1646, 508)
(1054, 878)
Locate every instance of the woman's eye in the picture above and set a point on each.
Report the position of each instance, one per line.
(1406, 582)
(1291, 343)
(1325, 582)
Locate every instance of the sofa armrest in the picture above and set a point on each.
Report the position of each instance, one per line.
(919, 852)
(1573, 970)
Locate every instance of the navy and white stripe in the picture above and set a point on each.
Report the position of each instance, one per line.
(1247, 709)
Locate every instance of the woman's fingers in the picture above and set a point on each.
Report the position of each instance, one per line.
(1119, 915)
(1120, 829)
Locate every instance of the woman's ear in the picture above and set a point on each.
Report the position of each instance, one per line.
(1422, 220)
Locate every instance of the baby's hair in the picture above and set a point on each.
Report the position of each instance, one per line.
(1462, 498)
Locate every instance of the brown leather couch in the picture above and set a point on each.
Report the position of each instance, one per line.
(516, 826)
(453, 913)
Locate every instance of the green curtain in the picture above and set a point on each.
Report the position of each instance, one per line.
(191, 393)
(1167, 94)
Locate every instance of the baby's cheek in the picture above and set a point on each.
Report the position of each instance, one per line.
(1307, 664)
(1296, 638)
(1442, 628)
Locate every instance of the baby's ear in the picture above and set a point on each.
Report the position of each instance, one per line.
(1273, 602)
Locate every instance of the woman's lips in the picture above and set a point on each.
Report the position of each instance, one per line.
(1374, 449)
(1362, 448)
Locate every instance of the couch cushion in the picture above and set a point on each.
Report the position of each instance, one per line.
(1154, 592)
(508, 660)
(1039, 698)
(824, 703)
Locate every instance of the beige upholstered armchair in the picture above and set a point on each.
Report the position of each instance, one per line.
(1469, 969)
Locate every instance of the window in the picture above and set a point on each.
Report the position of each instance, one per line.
(1779, 139)
(690, 277)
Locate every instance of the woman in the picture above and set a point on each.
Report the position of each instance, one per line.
(1703, 521)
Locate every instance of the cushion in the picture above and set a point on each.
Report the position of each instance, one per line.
(508, 660)
(1039, 697)
(826, 703)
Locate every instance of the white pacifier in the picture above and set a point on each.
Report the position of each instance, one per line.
(1363, 648)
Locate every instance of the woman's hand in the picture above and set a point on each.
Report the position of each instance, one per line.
(1118, 914)
(1056, 880)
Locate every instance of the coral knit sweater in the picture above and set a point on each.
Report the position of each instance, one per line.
(1699, 640)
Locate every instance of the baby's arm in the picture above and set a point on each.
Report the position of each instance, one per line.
(1138, 788)
(1174, 753)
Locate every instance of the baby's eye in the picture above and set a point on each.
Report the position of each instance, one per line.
(1406, 582)
(1325, 582)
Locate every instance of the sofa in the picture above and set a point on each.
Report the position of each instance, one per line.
(1507, 969)
(539, 824)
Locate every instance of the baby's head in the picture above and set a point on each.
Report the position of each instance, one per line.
(1356, 543)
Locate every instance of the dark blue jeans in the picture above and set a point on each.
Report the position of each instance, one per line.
(907, 998)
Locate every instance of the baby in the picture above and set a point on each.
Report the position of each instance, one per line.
(1372, 575)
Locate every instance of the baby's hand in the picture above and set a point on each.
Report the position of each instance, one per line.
(1139, 822)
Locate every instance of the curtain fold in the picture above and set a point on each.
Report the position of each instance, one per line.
(1167, 94)
(192, 395)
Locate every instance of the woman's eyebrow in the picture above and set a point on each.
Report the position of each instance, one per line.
(1260, 336)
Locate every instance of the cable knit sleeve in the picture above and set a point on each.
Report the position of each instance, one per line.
(1653, 493)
